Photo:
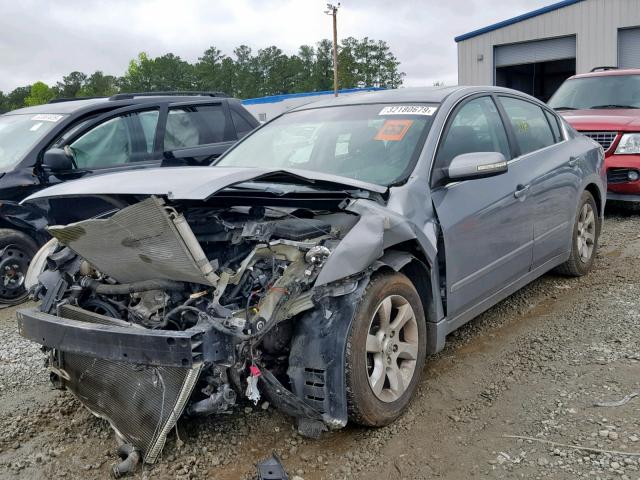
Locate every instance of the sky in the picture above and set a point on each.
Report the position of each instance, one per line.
(44, 40)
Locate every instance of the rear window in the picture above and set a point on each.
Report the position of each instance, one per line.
(195, 125)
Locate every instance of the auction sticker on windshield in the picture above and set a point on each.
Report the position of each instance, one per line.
(408, 110)
(47, 117)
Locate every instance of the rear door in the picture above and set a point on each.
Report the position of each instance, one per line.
(486, 222)
(554, 171)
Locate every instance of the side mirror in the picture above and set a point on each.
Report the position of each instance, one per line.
(56, 160)
(477, 165)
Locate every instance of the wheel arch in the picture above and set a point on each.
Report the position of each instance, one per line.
(593, 189)
(409, 259)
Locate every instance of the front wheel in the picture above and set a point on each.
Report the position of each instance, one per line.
(584, 240)
(16, 251)
(386, 348)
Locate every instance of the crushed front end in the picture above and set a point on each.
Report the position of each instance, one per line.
(163, 310)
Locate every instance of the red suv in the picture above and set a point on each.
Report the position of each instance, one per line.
(605, 105)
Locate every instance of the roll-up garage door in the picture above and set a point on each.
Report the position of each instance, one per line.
(534, 52)
(629, 48)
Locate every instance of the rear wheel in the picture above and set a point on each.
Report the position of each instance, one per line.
(16, 251)
(584, 242)
(386, 348)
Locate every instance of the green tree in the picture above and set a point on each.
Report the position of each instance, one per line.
(70, 85)
(322, 77)
(40, 93)
(244, 74)
(17, 97)
(168, 72)
(99, 85)
(209, 70)
(4, 103)
(247, 75)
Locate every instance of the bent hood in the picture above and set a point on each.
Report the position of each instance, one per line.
(594, 120)
(190, 183)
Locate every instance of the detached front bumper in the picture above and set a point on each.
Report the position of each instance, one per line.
(88, 333)
(620, 186)
(138, 379)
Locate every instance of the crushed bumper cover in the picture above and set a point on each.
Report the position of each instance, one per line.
(139, 380)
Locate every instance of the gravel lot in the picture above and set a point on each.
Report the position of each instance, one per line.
(532, 366)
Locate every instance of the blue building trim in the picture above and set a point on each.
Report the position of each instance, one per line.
(519, 18)
(286, 96)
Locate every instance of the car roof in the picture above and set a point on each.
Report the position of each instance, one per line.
(67, 107)
(405, 95)
(608, 73)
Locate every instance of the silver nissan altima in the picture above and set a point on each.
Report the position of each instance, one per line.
(316, 264)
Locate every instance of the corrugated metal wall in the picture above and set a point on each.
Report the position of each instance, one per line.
(595, 24)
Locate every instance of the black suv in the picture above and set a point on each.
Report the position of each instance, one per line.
(68, 139)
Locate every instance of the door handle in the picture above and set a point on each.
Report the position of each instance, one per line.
(573, 161)
(521, 191)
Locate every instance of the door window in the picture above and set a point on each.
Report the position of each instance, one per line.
(195, 125)
(476, 127)
(117, 141)
(555, 126)
(529, 124)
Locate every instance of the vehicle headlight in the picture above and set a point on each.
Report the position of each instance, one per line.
(629, 143)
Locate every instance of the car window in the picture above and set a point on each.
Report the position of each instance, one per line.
(529, 124)
(555, 126)
(602, 91)
(373, 143)
(476, 127)
(20, 133)
(194, 125)
(242, 125)
(117, 141)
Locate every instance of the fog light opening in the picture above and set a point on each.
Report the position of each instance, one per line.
(633, 175)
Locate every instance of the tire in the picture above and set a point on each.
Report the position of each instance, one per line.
(17, 251)
(584, 239)
(388, 359)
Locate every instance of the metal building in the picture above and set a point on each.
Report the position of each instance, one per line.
(536, 51)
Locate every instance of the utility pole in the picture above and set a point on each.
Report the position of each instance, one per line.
(333, 11)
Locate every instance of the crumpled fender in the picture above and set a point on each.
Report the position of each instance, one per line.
(377, 229)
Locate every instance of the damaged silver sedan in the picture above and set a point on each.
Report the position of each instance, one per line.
(315, 265)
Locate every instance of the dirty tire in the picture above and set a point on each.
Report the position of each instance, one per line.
(577, 266)
(365, 406)
(21, 248)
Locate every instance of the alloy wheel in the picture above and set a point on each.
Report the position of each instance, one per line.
(585, 239)
(392, 348)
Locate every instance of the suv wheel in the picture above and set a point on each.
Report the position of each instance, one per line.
(584, 241)
(386, 349)
(16, 251)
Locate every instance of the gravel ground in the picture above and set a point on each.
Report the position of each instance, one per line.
(532, 366)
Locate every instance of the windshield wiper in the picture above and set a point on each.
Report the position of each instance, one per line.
(564, 108)
(612, 106)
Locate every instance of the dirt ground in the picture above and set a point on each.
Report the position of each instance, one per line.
(532, 366)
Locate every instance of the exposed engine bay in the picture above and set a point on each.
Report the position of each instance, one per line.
(162, 310)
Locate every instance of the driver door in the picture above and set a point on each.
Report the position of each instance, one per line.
(486, 222)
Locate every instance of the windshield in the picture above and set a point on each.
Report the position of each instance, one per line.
(371, 143)
(612, 91)
(19, 133)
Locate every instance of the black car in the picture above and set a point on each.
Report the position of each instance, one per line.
(68, 139)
